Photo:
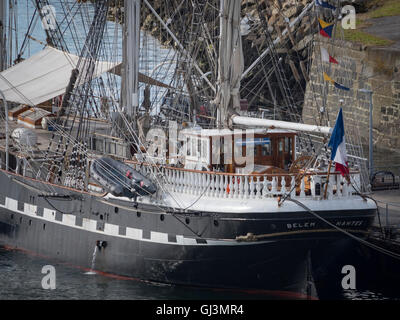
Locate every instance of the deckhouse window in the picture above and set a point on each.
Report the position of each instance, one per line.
(266, 150)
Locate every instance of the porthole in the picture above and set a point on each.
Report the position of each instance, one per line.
(138, 214)
(30, 222)
(216, 223)
(187, 220)
(116, 209)
(44, 226)
(162, 217)
(12, 216)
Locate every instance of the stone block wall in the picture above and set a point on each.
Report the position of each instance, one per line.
(376, 69)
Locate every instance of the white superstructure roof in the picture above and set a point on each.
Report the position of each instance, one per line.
(43, 76)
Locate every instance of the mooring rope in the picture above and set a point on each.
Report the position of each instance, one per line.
(368, 244)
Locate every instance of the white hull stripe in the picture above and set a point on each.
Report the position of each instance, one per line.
(89, 225)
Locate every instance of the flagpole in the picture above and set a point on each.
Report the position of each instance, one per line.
(327, 179)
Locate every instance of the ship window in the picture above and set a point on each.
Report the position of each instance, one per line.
(189, 147)
(204, 152)
(289, 146)
(281, 145)
(194, 147)
(266, 150)
(317, 189)
(120, 150)
(99, 145)
(199, 147)
(112, 148)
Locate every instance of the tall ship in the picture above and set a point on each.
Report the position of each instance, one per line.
(169, 175)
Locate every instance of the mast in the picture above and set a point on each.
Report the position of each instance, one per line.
(54, 35)
(3, 61)
(231, 61)
(131, 46)
(3, 23)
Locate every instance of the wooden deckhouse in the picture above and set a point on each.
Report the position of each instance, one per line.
(229, 151)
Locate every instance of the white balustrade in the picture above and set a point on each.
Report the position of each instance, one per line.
(274, 189)
(283, 185)
(258, 187)
(216, 185)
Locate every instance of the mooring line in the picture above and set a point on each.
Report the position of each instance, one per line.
(371, 245)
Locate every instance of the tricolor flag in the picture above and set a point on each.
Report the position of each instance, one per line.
(326, 57)
(324, 4)
(325, 29)
(337, 85)
(338, 146)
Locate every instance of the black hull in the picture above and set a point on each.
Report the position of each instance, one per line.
(195, 249)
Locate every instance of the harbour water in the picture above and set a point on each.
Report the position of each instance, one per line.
(21, 279)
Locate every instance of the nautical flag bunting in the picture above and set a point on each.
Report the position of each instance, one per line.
(325, 29)
(326, 57)
(324, 4)
(338, 145)
(337, 85)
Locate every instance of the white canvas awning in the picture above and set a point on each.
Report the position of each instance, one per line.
(43, 76)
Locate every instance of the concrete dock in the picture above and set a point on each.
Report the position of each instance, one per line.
(389, 207)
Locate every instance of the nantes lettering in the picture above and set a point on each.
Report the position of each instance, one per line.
(349, 223)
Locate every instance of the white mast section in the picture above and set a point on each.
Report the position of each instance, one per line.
(203, 75)
(256, 122)
(3, 23)
(278, 39)
(131, 56)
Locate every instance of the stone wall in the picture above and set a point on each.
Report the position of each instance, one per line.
(375, 69)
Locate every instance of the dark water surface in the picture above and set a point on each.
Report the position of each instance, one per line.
(21, 279)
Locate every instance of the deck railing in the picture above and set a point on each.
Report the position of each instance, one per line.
(240, 186)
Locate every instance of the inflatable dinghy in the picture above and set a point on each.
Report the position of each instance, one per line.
(120, 179)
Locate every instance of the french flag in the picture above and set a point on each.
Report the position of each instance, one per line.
(338, 146)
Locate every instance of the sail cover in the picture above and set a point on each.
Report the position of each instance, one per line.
(43, 76)
(231, 62)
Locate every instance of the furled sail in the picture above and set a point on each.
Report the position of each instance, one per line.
(43, 76)
(231, 61)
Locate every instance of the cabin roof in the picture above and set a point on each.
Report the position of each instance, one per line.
(227, 132)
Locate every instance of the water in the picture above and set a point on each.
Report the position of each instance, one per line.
(21, 277)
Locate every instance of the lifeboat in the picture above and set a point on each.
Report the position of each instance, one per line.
(120, 179)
